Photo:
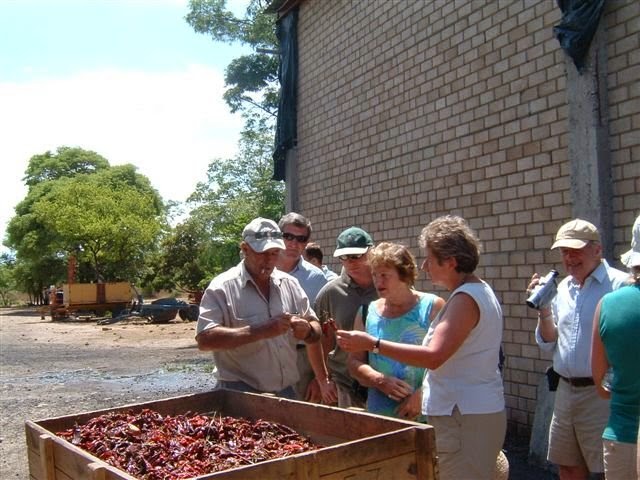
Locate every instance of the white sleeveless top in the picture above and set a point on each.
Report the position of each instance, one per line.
(469, 379)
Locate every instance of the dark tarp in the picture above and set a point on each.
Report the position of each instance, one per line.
(287, 123)
(579, 24)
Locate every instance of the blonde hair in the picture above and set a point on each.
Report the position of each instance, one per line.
(387, 254)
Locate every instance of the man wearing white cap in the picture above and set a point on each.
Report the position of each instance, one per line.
(565, 329)
(252, 316)
(616, 336)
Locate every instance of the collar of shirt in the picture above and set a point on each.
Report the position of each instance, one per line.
(245, 276)
(599, 275)
(297, 266)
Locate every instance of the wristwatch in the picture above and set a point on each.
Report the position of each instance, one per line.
(376, 346)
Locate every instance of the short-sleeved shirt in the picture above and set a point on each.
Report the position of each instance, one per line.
(340, 299)
(232, 299)
(573, 309)
(310, 277)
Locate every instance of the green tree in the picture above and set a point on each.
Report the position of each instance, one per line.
(7, 282)
(109, 218)
(236, 191)
(252, 80)
(66, 162)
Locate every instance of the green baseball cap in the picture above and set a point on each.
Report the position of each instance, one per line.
(353, 241)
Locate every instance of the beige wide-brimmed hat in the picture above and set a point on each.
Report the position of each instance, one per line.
(576, 234)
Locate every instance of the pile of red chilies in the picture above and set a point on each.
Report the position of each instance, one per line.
(150, 446)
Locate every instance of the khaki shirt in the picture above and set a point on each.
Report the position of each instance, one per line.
(233, 300)
(340, 299)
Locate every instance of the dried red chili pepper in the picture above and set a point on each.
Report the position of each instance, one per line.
(329, 325)
(151, 447)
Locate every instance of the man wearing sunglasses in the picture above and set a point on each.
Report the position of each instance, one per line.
(339, 301)
(252, 316)
(296, 231)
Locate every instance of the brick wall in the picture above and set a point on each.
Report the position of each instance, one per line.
(410, 110)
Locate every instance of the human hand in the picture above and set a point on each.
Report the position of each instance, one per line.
(394, 388)
(322, 391)
(355, 341)
(300, 326)
(313, 393)
(329, 391)
(278, 325)
(533, 283)
(329, 326)
(411, 407)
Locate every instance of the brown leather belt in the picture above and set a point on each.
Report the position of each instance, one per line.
(579, 381)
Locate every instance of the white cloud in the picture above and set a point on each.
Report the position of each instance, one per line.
(169, 124)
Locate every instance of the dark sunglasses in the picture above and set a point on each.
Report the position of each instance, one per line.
(354, 256)
(263, 235)
(298, 238)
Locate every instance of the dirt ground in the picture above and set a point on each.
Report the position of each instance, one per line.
(50, 369)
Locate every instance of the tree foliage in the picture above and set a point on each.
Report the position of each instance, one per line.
(109, 218)
(66, 162)
(252, 80)
(7, 281)
(236, 191)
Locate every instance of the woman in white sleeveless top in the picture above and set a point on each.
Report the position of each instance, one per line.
(463, 394)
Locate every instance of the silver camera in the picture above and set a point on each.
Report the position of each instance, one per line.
(544, 292)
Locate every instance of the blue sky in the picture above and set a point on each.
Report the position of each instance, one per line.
(129, 79)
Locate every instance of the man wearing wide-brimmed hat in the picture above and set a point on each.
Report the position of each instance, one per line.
(565, 329)
(252, 316)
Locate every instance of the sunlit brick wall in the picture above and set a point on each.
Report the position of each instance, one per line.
(410, 110)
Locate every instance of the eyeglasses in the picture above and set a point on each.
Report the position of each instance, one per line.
(353, 256)
(263, 235)
(298, 238)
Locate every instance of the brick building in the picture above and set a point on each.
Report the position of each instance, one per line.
(407, 110)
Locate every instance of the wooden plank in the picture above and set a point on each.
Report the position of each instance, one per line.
(97, 471)
(427, 459)
(366, 451)
(47, 461)
(307, 467)
(397, 468)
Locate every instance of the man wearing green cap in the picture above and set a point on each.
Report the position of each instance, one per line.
(565, 329)
(339, 301)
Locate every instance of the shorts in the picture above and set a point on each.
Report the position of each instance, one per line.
(620, 460)
(575, 434)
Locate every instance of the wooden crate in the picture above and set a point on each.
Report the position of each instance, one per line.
(358, 445)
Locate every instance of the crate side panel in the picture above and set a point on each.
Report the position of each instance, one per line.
(118, 292)
(80, 293)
